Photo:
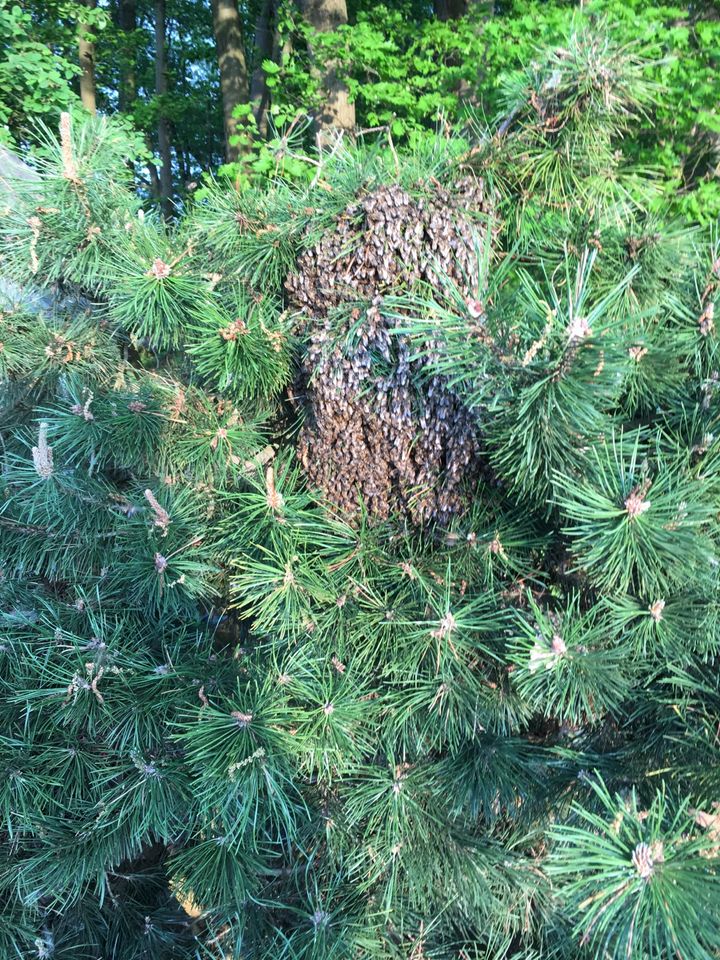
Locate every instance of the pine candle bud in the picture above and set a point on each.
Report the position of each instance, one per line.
(274, 498)
(496, 547)
(475, 308)
(159, 270)
(656, 610)
(544, 656)
(448, 625)
(645, 856)
(578, 329)
(706, 320)
(83, 410)
(636, 504)
(34, 223)
(234, 330)
(162, 517)
(42, 454)
(69, 166)
(558, 645)
(242, 719)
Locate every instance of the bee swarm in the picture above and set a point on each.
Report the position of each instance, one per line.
(376, 428)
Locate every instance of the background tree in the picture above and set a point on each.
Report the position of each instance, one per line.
(86, 50)
(264, 50)
(127, 25)
(336, 111)
(450, 9)
(34, 80)
(230, 42)
(163, 124)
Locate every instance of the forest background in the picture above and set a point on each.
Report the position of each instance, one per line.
(230, 86)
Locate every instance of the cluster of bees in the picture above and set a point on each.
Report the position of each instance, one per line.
(380, 427)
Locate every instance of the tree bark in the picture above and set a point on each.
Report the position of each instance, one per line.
(449, 9)
(454, 9)
(86, 50)
(127, 22)
(154, 179)
(337, 113)
(227, 27)
(153, 175)
(166, 179)
(259, 90)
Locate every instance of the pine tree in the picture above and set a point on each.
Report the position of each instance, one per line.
(360, 552)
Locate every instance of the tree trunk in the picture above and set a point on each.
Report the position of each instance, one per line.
(337, 112)
(166, 182)
(127, 22)
(183, 164)
(152, 171)
(259, 90)
(86, 50)
(449, 9)
(154, 179)
(227, 27)
(454, 9)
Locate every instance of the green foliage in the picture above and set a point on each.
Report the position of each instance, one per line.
(642, 882)
(617, 542)
(409, 72)
(238, 721)
(153, 291)
(34, 81)
(242, 349)
(80, 213)
(565, 666)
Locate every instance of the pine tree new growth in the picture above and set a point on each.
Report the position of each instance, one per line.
(279, 684)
